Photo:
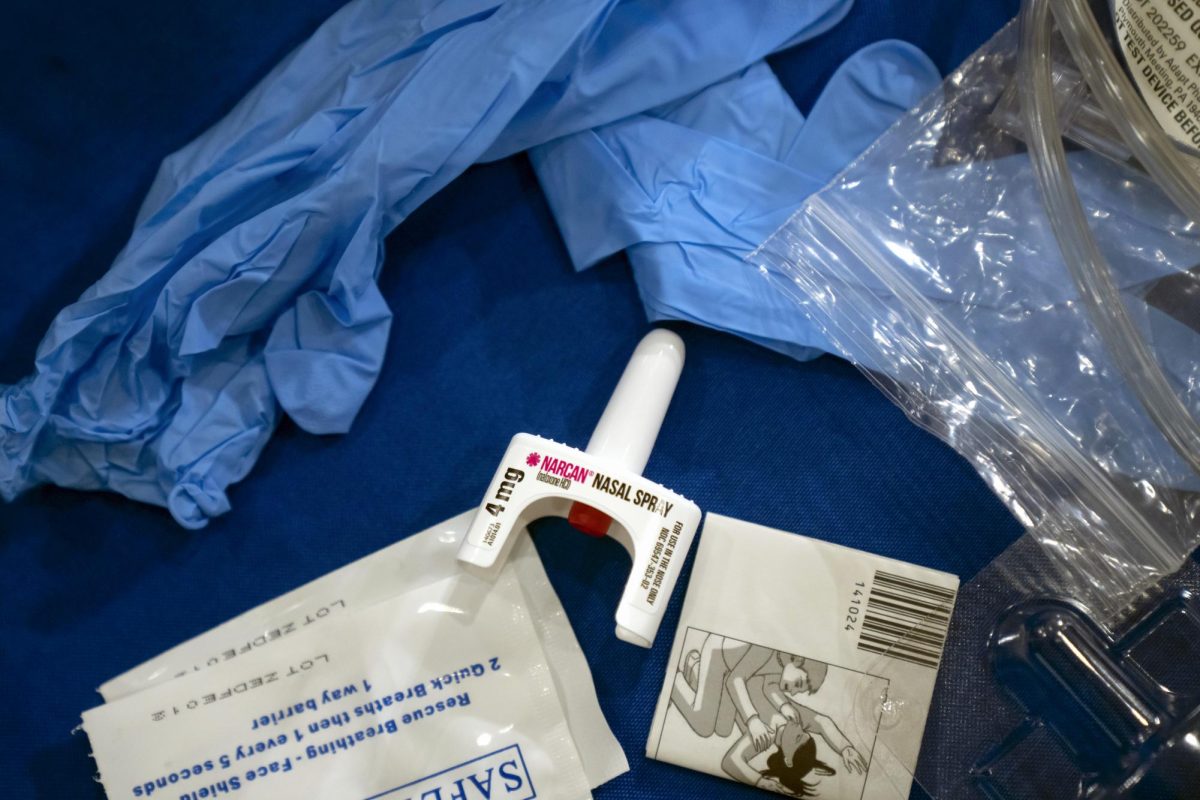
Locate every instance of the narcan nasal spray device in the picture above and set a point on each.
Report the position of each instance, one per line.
(601, 491)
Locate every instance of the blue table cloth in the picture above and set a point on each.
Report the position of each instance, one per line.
(494, 334)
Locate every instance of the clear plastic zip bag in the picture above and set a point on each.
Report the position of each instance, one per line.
(949, 264)
(932, 265)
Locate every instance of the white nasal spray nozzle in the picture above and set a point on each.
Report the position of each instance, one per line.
(602, 491)
(629, 426)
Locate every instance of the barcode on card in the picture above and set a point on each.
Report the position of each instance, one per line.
(906, 619)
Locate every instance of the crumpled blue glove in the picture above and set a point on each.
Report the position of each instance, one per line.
(692, 187)
(250, 275)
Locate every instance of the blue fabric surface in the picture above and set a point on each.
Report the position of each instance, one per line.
(495, 333)
(248, 284)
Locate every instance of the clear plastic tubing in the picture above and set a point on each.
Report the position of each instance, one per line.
(1123, 105)
(1150, 144)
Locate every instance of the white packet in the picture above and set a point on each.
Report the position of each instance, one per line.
(438, 693)
(418, 560)
(827, 655)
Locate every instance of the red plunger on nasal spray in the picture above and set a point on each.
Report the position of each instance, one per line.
(629, 426)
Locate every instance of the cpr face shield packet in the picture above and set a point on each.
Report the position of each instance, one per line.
(442, 691)
(416, 563)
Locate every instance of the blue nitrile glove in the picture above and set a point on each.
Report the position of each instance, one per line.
(691, 187)
(250, 274)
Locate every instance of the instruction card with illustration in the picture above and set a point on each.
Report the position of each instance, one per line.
(802, 667)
